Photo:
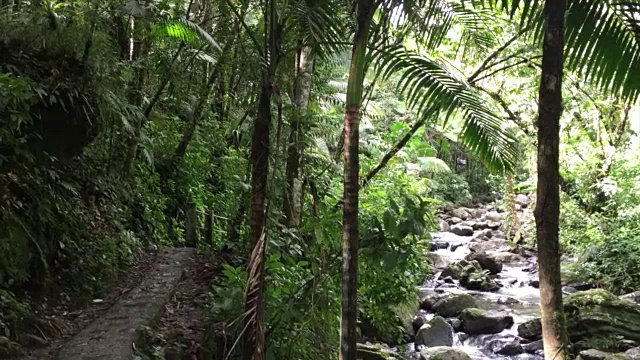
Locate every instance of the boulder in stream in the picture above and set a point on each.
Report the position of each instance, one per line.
(634, 296)
(418, 322)
(491, 245)
(443, 353)
(493, 216)
(437, 332)
(597, 319)
(592, 354)
(530, 330)
(522, 200)
(486, 261)
(476, 321)
(634, 353)
(533, 346)
(474, 279)
(438, 261)
(507, 257)
(462, 230)
(453, 305)
(507, 347)
(461, 213)
(370, 351)
(444, 226)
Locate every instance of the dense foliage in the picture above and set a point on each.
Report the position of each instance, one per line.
(120, 120)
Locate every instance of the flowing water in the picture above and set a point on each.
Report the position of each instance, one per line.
(515, 279)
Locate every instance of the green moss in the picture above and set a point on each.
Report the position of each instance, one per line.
(617, 357)
(475, 312)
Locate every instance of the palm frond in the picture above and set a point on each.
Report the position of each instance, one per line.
(602, 39)
(185, 30)
(430, 88)
(318, 26)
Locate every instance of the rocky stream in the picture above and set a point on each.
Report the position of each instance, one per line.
(482, 302)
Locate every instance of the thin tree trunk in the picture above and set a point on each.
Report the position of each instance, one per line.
(547, 211)
(254, 309)
(292, 206)
(350, 233)
(254, 336)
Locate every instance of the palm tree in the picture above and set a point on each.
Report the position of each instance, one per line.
(602, 42)
(432, 90)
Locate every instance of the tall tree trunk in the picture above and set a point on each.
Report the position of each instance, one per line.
(254, 335)
(547, 211)
(254, 302)
(350, 233)
(292, 206)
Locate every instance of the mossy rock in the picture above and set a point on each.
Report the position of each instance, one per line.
(597, 319)
(375, 352)
(443, 353)
(617, 357)
(453, 305)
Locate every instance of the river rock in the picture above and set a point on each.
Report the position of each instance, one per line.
(491, 245)
(486, 261)
(530, 330)
(476, 280)
(462, 230)
(461, 213)
(443, 353)
(454, 247)
(493, 216)
(438, 261)
(427, 303)
(494, 225)
(534, 284)
(454, 220)
(417, 323)
(593, 316)
(634, 296)
(484, 233)
(477, 213)
(499, 234)
(507, 257)
(592, 354)
(454, 270)
(617, 357)
(522, 200)
(455, 323)
(444, 226)
(506, 347)
(480, 225)
(533, 346)
(506, 300)
(375, 352)
(476, 321)
(436, 332)
(634, 353)
(452, 305)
